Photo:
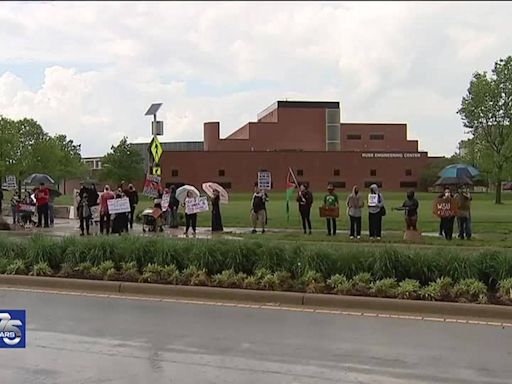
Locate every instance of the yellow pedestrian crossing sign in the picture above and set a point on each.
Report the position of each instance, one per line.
(156, 171)
(156, 149)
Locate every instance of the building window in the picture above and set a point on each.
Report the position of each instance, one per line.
(300, 172)
(222, 172)
(408, 172)
(373, 172)
(336, 172)
(332, 130)
(376, 136)
(408, 184)
(337, 184)
(174, 173)
(353, 137)
(367, 184)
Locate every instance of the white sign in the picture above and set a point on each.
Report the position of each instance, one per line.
(118, 205)
(196, 205)
(165, 201)
(390, 155)
(265, 181)
(10, 183)
(373, 200)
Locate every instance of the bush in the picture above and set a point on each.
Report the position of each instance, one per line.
(505, 290)
(385, 288)
(229, 279)
(408, 289)
(313, 282)
(17, 267)
(41, 269)
(340, 285)
(194, 276)
(470, 290)
(361, 284)
(441, 289)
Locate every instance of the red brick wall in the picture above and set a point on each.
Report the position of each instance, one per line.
(241, 168)
(395, 137)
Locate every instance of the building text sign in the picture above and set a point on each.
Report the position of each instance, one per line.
(390, 155)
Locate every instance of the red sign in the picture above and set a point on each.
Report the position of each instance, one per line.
(445, 207)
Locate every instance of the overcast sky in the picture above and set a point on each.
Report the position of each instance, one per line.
(90, 70)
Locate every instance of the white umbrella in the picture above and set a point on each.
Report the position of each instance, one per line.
(181, 193)
(210, 187)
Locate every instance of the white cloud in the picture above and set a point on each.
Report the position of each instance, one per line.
(105, 63)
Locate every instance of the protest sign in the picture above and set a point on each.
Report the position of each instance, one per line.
(10, 183)
(265, 181)
(373, 200)
(165, 201)
(445, 207)
(118, 205)
(151, 186)
(196, 205)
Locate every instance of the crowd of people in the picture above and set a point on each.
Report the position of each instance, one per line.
(93, 209)
(37, 201)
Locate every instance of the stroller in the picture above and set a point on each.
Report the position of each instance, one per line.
(152, 220)
(25, 213)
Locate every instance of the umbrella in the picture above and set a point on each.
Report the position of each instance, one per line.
(453, 181)
(54, 193)
(210, 187)
(459, 170)
(38, 178)
(181, 193)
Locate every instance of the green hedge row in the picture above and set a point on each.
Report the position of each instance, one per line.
(423, 264)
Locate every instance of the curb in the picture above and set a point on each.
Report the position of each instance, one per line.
(351, 303)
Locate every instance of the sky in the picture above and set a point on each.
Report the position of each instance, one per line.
(90, 70)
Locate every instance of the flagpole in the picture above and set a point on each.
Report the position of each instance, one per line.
(294, 179)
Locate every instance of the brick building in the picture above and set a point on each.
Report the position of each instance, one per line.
(304, 135)
(307, 136)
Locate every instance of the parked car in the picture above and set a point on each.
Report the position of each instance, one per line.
(507, 186)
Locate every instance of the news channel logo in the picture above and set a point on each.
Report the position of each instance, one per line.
(12, 328)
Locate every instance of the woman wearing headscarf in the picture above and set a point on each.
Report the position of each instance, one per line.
(354, 205)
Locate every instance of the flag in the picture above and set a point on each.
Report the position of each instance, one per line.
(291, 184)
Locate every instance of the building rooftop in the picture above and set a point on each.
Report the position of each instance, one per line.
(299, 104)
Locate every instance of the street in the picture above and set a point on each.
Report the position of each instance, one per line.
(80, 339)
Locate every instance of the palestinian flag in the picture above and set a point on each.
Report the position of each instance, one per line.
(291, 185)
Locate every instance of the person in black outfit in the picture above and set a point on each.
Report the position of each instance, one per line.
(305, 200)
(84, 214)
(133, 196)
(120, 222)
(216, 217)
(447, 221)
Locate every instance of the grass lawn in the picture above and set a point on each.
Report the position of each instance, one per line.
(487, 217)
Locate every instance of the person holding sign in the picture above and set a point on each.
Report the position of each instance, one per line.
(258, 211)
(104, 214)
(190, 216)
(375, 212)
(331, 201)
(445, 208)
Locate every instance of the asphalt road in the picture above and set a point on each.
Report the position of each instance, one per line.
(78, 339)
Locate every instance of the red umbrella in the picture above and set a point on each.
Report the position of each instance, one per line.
(210, 187)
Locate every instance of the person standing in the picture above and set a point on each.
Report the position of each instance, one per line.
(216, 217)
(121, 220)
(354, 205)
(190, 218)
(15, 200)
(104, 214)
(133, 197)
(331, 201)
(174, 205)
(463, 199)
(375, 210)
(42, 198)
(84, 214)
(305, 200)
(258, 209)
(445, 208)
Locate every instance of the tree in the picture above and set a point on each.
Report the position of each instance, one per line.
(486, 111)
(25, 148)
(124, 162)
(430, 173)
